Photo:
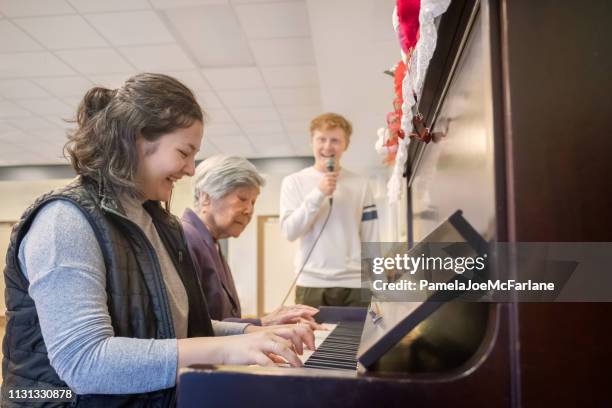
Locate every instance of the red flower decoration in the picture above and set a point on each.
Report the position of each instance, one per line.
(408, 17)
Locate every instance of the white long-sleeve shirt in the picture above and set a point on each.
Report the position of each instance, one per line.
(336, 258)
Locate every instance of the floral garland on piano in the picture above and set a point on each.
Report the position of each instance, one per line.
(413, 21)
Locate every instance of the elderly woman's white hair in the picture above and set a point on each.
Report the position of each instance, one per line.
(219, 175)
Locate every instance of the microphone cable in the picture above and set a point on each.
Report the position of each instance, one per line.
(330, 167)
(331, 203)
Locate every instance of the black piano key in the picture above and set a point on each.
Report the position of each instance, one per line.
(331, 365)
(339, 350)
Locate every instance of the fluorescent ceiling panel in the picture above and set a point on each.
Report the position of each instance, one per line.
(263, 139)
(12, 39)
(10, 136)
(297, 126)
(33, 123)
(217, 116)
(10, 151)
(62, 32)
(296, 96)
(5, 127)
(301, 138)
(260, 1)
(212, 34)
(255, 114)
(246, 98)
(96, 6)
(222, 130)
(95, 61)
(61, 122)
(172, 4)
(20, 89)
(274, 20)
(131, 28)
(10, 110)
(264, 142)
(47, 106)
(236, 146)
(73, 101)
(291, 113)
(110, 81)
(55, 136)
(291, 76)
(23, 8)
(30, 64)
(283, 51)
(208, 100)
(192, 79)
(158, 57)
(262, 128)
(65, 86)
(234, 78)
(277, 150)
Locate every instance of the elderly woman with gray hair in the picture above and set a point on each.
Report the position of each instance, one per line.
(225, 191)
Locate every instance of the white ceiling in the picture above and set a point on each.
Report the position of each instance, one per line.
(260, 68)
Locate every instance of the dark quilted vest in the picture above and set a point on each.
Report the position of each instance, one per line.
(137, 300)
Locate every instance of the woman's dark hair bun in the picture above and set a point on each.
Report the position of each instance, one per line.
(94, 101)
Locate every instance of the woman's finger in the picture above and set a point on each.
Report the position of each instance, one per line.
(314, 310)
(304, 335)
(276, 358)
(292, 339)
(307, 336)
(280, 346)
(263, 360)
(311, 323)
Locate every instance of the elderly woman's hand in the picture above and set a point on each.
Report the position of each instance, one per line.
(292, 314)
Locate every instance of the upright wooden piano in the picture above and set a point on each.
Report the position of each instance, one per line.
(518, 97)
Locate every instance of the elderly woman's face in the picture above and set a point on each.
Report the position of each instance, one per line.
(230, 214)
(165, 161)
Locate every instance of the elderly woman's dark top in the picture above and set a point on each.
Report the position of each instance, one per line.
(215, 275)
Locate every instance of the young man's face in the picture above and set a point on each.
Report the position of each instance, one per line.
(326, 144)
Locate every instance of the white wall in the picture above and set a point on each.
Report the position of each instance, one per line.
(18, 195)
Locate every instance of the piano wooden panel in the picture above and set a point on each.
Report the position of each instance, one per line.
(556, 116)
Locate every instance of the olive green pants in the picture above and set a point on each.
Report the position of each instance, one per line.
(316, 297)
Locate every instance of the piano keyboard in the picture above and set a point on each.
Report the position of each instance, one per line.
(336, 349)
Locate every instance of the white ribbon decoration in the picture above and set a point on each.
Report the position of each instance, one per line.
(412, 84)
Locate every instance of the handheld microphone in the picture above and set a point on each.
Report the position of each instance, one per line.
(331, 165)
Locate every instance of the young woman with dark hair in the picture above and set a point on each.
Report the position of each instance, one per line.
(100, 289)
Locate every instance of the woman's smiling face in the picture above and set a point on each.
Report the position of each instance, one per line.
(165, 161)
